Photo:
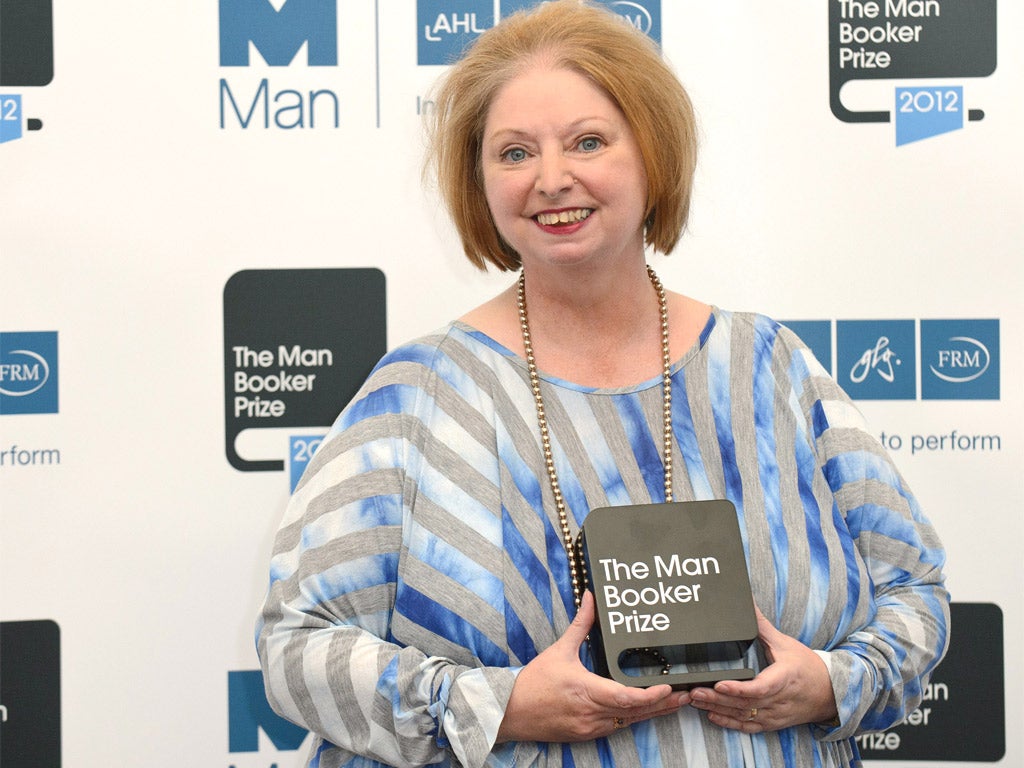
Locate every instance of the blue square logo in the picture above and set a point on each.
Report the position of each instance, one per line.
(817, 335)
(28, 372)
(445, 28)
(10, 117)
(959, 359)
(645, 15)
(300, 451)
(877, 359)
(925, 112)
(249, 713)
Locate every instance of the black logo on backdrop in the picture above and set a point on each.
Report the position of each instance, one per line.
(900, 39)
(26, 42)
(963, 715)
(298, 344)
(912, 39)
(30, 694)
(26, 59)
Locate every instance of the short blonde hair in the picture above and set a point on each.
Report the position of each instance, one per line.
(596, 43)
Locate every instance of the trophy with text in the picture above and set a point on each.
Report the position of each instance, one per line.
(672, 593)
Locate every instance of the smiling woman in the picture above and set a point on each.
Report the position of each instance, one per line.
(628, 70)
(425, 606)
(560, 186)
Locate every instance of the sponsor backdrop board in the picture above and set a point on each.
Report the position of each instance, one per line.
(212, 223)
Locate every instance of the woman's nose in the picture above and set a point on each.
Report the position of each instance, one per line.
(553, 175)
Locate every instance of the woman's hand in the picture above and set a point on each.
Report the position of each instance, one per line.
(793, 690)
(556, 698)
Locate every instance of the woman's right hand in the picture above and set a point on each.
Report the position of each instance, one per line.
(557, 699)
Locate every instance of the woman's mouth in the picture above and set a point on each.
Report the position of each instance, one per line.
(571, 216)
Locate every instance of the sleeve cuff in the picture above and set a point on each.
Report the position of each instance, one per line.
(472, 714)
(849, 710)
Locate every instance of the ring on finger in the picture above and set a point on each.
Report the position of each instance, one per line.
(618, 722)
(753, 714)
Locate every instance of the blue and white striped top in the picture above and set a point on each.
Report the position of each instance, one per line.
(420, 564)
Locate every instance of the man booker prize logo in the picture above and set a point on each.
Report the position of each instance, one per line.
(911, 39)
(26, 60)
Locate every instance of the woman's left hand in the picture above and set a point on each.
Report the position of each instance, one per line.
(794, 689)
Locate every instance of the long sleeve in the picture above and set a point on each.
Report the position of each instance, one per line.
(326, 635)
(879, 670)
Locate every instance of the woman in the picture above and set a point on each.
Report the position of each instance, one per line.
(422, 606)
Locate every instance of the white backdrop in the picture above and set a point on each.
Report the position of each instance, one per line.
(123, 218)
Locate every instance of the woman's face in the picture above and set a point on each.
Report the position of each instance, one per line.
(563, 174)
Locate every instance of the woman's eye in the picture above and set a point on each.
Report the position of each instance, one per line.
(590, 144)
(514, 155)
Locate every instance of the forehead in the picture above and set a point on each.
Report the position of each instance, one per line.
(546, 96)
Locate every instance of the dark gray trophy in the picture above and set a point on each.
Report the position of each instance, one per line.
(672, 592)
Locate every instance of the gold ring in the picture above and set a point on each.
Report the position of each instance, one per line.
(618, 722)
(753, 714)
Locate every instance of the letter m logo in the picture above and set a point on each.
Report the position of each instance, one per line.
(249, 713)
(278, 33)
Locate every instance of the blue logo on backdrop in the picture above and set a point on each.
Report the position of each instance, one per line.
(877, 359)
(278, 30)
(28, 372)
(445, 28)
(817, 335)
(960, 359)
(278, 34)
(300, 452)
(10, 117)
(925, 112)
(645, 15)
(882, 359)
(249, 713)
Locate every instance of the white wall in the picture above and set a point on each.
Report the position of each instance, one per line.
(123, 218)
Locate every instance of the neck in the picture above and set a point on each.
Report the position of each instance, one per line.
(603, 338)
(602, 306)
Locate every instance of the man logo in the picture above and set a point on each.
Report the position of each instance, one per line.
(249, 713)
(28, 372)
(279, 32)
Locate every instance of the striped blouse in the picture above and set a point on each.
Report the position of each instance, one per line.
(420, 563)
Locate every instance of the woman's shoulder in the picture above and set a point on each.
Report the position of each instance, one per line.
(760, 326)
(455, 356)
(421, 355)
